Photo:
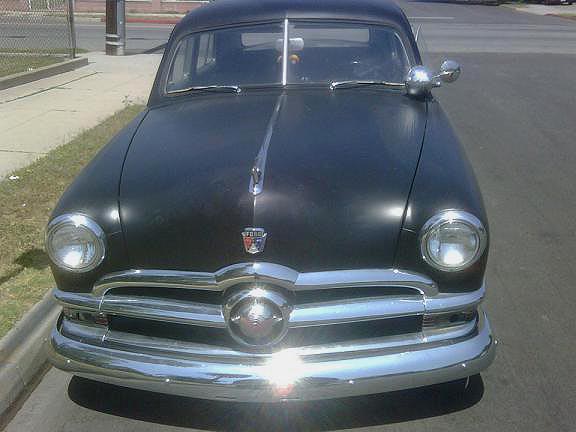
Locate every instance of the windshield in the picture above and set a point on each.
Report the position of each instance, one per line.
(317, 52)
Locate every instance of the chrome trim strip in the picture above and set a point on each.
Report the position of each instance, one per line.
(365, 309)
(166, 310)
(368, 277)
(154, 278)
(77, 300)
(285, 375)
(266, 273)
(448, 302)
(259, 169)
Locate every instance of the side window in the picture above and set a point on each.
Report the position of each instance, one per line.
(181, 72)
(205, 52)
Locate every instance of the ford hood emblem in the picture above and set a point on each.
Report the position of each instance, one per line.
(254, 240)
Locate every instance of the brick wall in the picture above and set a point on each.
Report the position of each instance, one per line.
(132, 6)
(141, 6)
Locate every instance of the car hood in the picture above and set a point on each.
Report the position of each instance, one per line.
(338, 173)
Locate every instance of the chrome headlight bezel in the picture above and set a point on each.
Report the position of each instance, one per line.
(447, 217)
(82, 223)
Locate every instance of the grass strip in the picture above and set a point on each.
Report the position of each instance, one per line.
(11, 64)
(26, 202)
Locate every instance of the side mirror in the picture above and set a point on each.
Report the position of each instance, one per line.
(419, 81)
(449, 71)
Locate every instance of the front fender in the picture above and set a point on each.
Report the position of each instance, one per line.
(94, 193)
(444, 180)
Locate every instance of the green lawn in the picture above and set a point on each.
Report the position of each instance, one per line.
(11, 64)
(26, 204)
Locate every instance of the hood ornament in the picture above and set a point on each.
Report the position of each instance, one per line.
(254, 240)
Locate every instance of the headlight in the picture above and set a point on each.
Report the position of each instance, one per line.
(75, 243)
(452, 240)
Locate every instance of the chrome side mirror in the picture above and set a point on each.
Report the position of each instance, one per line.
(449, 71)
(419, 81)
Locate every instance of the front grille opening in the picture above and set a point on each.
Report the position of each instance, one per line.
(191, 295)
(167, 330)
(305, 336)
(298, 297)
(351, 293)
(338, 333)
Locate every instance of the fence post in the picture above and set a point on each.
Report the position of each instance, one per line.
(72, 28)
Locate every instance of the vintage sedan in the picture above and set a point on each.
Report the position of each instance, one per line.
(290, 218)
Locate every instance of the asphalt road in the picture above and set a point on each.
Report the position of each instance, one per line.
(445, 28)
(139, 37)
(516, 115)
(89, 35)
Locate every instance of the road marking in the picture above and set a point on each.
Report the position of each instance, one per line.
(430, 18)
(134, 25)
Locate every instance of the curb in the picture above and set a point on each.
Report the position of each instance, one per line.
(43, 72)
(568, 17)
(23, 354)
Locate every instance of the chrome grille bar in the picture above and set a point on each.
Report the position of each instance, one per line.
(364, 309)
(167, 310)
(267, 273)
(210, 315)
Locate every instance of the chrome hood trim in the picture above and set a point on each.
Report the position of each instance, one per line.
(259, 168)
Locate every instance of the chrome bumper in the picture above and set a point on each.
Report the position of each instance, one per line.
(288, 375)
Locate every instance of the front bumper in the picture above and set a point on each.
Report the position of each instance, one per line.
(287, 376)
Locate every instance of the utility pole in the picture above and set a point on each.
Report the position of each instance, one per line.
(72, 28)
(115, 27)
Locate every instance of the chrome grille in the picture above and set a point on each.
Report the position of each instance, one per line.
(318, 317)
(195, 308)
(164, 309)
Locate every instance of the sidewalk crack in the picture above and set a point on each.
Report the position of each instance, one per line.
(47, 89)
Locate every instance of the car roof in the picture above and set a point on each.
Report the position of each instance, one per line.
(220, 13)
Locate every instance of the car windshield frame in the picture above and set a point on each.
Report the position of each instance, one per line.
(284, 82)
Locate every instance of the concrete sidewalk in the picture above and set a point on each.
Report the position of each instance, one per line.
(539, 9)
(39, 116)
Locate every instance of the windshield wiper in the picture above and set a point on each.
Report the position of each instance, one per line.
(209, 88)
(357, 83)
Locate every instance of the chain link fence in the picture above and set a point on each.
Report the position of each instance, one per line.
(34, 33)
